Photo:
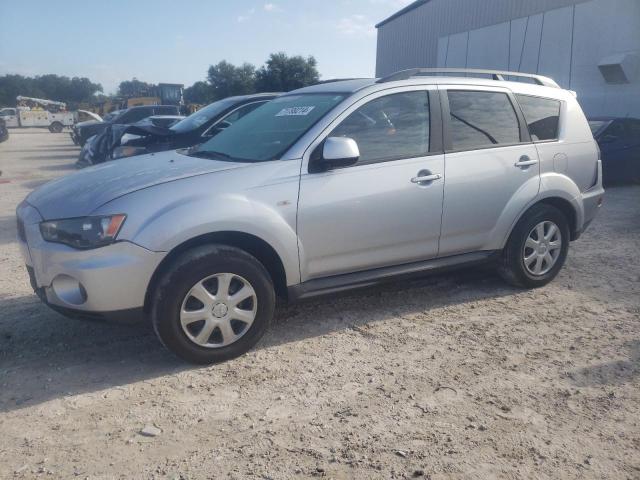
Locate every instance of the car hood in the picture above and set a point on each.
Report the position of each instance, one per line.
(80, 193)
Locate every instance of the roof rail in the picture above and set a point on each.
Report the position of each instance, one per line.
(495, 74)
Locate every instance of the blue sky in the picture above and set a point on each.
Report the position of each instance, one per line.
(176, 41)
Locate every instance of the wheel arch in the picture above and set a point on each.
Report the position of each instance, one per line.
(567, 210)
(251, 244)
(565, 206)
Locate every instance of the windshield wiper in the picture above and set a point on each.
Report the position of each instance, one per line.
(210, 154)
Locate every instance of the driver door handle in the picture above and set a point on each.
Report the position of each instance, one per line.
(525, 161)
(426, 178)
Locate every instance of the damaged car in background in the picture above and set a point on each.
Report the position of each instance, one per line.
(82, 131)
(155, 123)
(119, 141)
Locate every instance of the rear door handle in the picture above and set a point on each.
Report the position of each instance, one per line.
(426, 178)
(525, 161)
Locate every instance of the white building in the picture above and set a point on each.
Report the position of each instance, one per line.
(590, 46)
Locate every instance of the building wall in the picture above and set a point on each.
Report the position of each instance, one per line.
(562, 39)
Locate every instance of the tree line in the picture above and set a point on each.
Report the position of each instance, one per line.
(280, 73)
(51, 87)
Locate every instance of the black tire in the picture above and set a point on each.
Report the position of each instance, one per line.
(56, 127)
(512, 266)
(190, 268)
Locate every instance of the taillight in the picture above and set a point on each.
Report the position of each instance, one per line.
(595, 173)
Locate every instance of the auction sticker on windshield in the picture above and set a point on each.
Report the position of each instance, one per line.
(294, 111)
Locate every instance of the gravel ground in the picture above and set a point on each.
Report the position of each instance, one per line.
(457, 376)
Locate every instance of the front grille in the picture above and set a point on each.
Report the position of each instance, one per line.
(21, 233)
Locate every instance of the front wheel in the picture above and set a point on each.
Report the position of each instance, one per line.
(56, 127)
(537, 248)
(213, 304)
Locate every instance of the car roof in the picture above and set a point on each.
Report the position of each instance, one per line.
(339, 86)
(355, 85)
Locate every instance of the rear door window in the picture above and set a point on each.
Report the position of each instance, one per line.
(542, 116)
(481, 119)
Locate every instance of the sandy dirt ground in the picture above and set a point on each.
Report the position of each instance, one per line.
(456, 376)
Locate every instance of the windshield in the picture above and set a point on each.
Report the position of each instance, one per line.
(270, 130)
(110, 116)
(202, 116)
(596, 125)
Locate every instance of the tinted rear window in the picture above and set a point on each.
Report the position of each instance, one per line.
(596, 125)
(482, 119)
(542, 116)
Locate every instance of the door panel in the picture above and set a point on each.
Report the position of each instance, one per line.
(381, 211)
(369, 216)
(482, 186)
(492, 169)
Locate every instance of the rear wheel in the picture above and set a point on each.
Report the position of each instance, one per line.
(537, 248)
(56, 127)
(213, 303)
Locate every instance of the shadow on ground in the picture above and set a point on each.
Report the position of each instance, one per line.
(611, 373)
(47, 155)
(45, 150)
(8, 228)
(44, 356)
(63, 166)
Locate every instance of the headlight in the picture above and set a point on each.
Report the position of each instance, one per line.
(84, 233)
(125, 151)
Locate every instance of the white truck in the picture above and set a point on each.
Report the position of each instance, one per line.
(36, 112)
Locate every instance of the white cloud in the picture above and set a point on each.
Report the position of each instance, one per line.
(270, 7)
(244, 17)
(356, 25)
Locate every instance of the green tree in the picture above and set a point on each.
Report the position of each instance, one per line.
(282, 73)
(135, 88)
(227, 80)
(51, 87)
(199, 92)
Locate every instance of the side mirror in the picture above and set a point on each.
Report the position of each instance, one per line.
(337, 152)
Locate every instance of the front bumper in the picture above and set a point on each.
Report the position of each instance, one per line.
(104, 282)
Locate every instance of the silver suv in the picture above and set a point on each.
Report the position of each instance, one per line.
(334, 186)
